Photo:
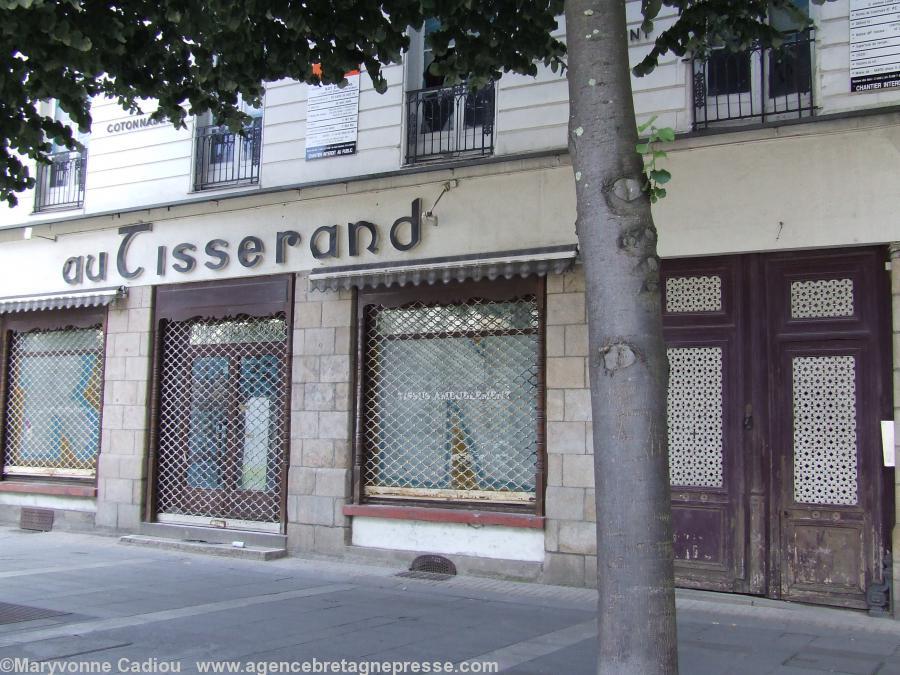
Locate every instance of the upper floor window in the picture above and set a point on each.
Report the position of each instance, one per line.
(443, 122)
(758, 85)
(224, 158)
(60, 184)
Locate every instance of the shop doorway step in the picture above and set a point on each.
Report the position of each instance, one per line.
(210, 541)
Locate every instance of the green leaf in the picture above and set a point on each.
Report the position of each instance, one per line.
(666, 134)
(660, 176)
(642, 148)
(646, 125)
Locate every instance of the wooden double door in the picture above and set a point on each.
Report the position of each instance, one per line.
(779, 378)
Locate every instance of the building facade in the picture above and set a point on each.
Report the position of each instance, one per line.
(373, 345)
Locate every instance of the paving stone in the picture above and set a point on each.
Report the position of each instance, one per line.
(375, 614)
(835, 661)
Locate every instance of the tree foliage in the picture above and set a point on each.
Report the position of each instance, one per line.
(198, 56)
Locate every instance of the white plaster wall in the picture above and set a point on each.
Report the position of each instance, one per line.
(822, 184)
(534, 208)
(153, 166)
(810, 186)
(485, 541)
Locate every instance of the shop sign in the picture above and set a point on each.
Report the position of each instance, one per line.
(874, 45)
(217, 254)
(133, 123)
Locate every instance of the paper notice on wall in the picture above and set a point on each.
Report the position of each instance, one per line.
(887, 442)
(874, 45)
(332, 119)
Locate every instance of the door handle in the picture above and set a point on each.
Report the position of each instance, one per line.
(748, 417)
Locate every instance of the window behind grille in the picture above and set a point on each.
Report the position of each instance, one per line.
(220, 401)
(222, 421)
(53, 402)
(451, 400)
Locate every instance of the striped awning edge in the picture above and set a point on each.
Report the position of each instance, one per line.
(98, 297)
(506, 264)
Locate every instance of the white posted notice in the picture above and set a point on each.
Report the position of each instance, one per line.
(874, 45)
(332, 119)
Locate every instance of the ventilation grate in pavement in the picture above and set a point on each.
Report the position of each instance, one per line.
(432, 567)
(10, 613)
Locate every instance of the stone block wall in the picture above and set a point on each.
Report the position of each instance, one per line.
(121, 471)
(570, 536)
(321, 400)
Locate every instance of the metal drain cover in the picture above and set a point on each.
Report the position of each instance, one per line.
(10, 613)
(39, 520)
(433, 567)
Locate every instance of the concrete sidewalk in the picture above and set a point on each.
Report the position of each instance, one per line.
(142, 608)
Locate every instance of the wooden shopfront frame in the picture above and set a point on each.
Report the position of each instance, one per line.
(257, 297)
(526, 514)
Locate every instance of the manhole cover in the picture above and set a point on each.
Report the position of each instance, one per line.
(10, 613)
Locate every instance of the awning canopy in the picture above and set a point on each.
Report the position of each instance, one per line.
(96, 297)
(507, 264)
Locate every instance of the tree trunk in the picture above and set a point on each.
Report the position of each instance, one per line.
(627, 359)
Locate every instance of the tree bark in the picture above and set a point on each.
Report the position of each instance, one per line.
(627, 358)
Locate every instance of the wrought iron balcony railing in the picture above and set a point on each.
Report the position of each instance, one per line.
(60, 184)
(225, 158)
(755, 86)
(449, 122)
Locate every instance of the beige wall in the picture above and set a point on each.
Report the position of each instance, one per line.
(320, 457)
(122, 466)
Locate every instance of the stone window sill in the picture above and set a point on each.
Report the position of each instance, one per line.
(438, 515)
(57, 489)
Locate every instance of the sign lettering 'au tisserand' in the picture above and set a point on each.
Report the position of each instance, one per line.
(325, 242)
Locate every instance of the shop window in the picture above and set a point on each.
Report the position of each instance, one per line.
(53, 402)
(451, 391)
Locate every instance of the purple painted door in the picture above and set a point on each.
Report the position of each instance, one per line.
(703, 314)
(779, 376)
(827, 365)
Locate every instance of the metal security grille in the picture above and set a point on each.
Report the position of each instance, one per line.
(451, 401)
(52, 416)
(222, 419)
